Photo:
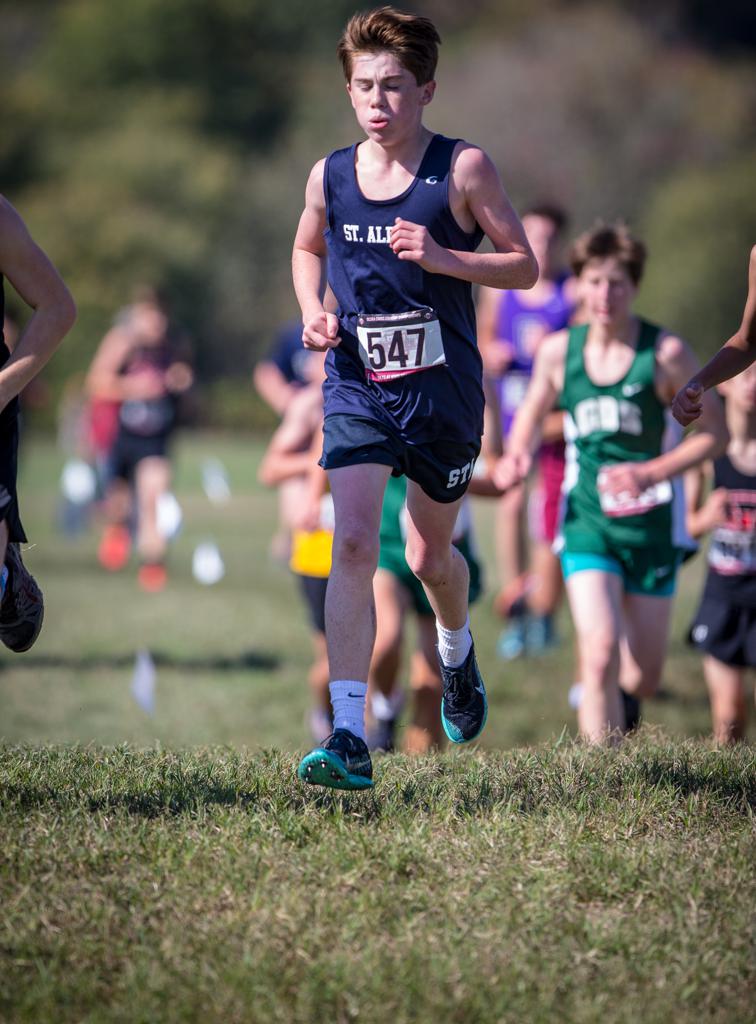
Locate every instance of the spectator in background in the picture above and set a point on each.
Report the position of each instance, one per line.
(38, 283)
(141, 365)
(511, 325)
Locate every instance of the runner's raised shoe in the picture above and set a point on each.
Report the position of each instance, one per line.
(343, 762)
(22, 609)
(464, 708)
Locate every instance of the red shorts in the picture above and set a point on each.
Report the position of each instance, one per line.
(546, 496)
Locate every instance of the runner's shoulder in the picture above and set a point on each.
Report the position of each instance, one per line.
(553, 348)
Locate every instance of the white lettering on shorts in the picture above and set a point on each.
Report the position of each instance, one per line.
(457, 477)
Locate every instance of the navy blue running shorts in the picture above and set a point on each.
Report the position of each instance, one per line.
(313, 590)
(442, 468)
(8, 474)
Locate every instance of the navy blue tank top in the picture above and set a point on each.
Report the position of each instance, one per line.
(441, 403)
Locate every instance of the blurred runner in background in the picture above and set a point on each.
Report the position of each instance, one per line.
(142, 365)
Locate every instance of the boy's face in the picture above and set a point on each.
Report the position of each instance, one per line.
(386, 98)
(543, 236)
(607, 290)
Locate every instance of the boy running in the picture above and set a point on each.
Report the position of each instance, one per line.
(724, 629)
(614, 376)
(399, 217)
(53, 313)
(733, 357)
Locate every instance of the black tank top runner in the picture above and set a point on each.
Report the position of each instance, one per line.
(732, 551)
(444, 402)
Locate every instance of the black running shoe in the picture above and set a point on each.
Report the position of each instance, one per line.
(632, 709)
(464, 708)
(22, 609)
(343, 762)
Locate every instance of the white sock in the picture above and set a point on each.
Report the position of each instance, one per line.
(348, 700)
(575, 696)
(385, 708)
(454, 644)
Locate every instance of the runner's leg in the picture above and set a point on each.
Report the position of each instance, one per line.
(728, 699)
(646, 621)
(350, 610)
(430, 555)
(595, 599)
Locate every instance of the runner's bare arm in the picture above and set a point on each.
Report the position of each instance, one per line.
(289, 453)
(703, 514)
(734, 356)
(40, 286)
(676, 363)
(320, 328)
(476, 195)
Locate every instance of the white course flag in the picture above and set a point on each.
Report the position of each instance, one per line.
(78, 482)
(169, 515)
(143, 682)
(207, 564)
(215, 481)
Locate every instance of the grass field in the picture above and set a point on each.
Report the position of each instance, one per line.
(170, 868)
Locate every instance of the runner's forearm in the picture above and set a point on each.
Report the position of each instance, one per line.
(693, 450)
(307, 273)
(735, 356)
(42, 335)
(494, 269)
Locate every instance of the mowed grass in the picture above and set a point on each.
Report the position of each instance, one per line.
(548, 884)
(169, 867)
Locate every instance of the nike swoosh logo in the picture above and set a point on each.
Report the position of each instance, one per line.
(355, 695)
(481, 690)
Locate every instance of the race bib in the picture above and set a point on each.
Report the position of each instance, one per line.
(615, 505)
(395, 344)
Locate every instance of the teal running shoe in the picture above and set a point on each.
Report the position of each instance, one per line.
(464, 708)
(343, 762)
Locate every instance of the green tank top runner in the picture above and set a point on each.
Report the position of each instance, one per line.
(607, 424)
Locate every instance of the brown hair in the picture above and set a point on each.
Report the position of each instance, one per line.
(548, 211)
(412, 39)
(605, 240)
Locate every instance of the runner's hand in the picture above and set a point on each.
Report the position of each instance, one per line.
(414, 243)
(511, 469)
(627, 478)
(321, 332)
(687, 403)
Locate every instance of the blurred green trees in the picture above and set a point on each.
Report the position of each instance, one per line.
(170, 140)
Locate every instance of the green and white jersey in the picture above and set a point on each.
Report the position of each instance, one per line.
(607, 424)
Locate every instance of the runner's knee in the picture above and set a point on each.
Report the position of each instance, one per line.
(430, 566)
(355, 547)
